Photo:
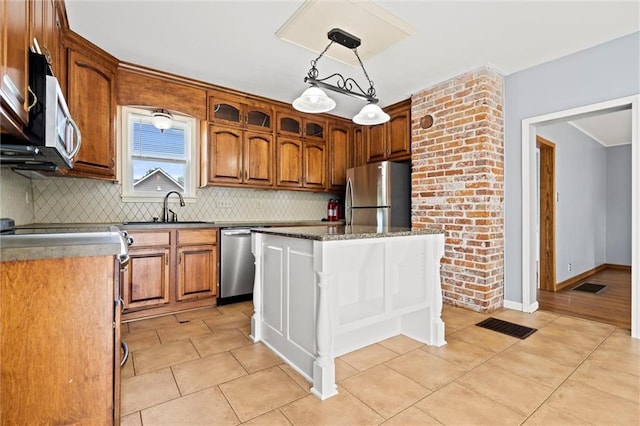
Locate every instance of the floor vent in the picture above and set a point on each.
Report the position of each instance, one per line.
(506, 327)
(590, 288)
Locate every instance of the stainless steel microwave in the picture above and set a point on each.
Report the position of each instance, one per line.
(53, 136)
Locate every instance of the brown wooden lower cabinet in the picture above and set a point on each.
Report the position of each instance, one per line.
(60, 349)
(170, 270)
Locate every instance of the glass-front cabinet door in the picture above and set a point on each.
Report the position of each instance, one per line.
(259, 117)
(225, 109)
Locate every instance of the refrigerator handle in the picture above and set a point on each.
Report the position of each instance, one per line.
(348, 202)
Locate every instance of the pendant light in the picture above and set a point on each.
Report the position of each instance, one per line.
(315, 100)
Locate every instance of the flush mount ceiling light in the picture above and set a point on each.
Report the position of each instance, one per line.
(315, 100)
(162, 119)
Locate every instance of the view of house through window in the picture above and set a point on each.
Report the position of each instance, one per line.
(157, 161)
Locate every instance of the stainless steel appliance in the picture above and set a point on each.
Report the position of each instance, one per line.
(53, 137)
(237, 266)
(379, 194)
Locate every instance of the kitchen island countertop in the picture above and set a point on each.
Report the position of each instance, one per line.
(340, 232)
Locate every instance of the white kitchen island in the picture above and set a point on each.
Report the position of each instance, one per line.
(324, 291)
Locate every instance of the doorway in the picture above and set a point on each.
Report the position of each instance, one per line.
(529, 202)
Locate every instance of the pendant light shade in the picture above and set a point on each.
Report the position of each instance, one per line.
(314, 100)
(371, 114)
(162, 119)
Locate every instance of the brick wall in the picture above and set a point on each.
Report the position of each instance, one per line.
(458, 183)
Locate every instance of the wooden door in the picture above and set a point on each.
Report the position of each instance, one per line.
(398, 137)
(225, 155)
(547, 220)
(340, 154)
(359, 145)
(258, 159)
(376, 147)
(13, 84)
(91, 98)
(196, 272)
(147, 278)
(289, 162)
(315, 165)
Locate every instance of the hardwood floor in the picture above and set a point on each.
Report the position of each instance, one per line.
(610, 306)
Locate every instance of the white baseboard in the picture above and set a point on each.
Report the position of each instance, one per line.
(508, 304)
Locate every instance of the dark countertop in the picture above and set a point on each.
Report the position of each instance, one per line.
(341, 232)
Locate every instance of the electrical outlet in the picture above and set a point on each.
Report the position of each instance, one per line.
(260, 205)
(569, 267)
(223, 204)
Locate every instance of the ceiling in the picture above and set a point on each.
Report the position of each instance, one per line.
(234, 43)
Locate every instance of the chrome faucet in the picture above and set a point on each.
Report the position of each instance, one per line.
(165, 207)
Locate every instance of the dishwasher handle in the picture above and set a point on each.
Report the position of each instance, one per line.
(232, 232)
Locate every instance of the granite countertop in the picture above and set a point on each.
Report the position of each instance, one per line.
(341, 232)
(184, 224)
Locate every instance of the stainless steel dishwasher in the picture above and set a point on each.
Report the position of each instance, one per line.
(237, 268)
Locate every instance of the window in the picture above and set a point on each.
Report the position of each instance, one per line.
(156, 162)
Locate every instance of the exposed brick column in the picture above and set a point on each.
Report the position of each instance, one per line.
(458, 183)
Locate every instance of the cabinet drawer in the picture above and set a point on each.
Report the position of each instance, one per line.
(150, 238)
(197, 236)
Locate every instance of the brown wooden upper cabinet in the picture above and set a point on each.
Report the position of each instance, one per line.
(391, 140)
(239, 157)
(340, 153)
(91, 95)
(292, 124)
(239, 111)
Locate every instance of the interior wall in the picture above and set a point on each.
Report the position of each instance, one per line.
(581, 208)
(16, 196)
(601, 73)
(618, 199)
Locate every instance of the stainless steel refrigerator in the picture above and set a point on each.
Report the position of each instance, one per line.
(379, 194)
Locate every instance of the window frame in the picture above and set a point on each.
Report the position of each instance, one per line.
(128, 116)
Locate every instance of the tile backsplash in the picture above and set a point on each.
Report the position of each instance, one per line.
(16, 197)
(75, 200)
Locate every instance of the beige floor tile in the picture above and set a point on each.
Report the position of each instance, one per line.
(127, 369)
(584, 326)
(486, 339)
(548, 346)
(426, 369)
(207, 407)
(228, 321)
(198, 314)
(567, 336)
(541, 369)
(301, 381)
(147, 390)
(593, 405)
(385, 390)
(182, 331)
(536, 319)
(246, 330)
(455, 404)
(341, 409)
(460, 353)
(400, 344)
(245, 308)
(545, 416)
(142, 339)
(131, 420)
(518, 393)
(163, 356)
(368, 356)
(261, 392)
(615, 360)
(256, 357)
(272, 418)
(343, 370)
(617, 383)
(411, 416)
(620, 340)
(205, 372)
(151, 323)
(219, 341)
(458, 318)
